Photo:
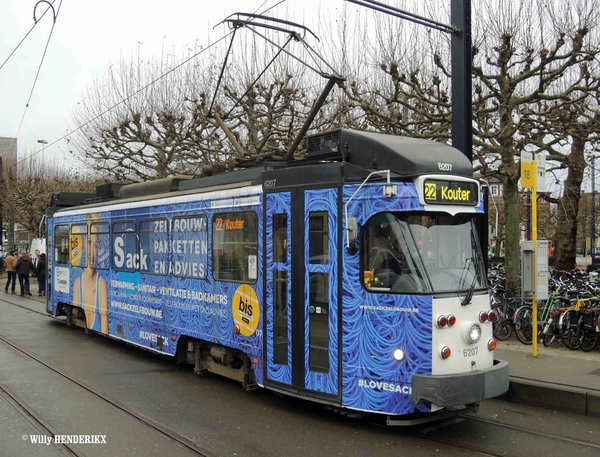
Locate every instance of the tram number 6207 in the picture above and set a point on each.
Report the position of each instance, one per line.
(470, 352)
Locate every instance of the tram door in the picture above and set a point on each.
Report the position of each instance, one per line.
(301, 259)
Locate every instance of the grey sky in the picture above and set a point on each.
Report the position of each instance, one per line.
(87, 37)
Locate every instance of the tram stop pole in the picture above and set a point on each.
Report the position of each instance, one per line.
(534, 338)
(529, 180)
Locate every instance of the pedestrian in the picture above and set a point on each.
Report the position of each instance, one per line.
(40, 272)
(11, 269)
(35, 261)
(24, 266)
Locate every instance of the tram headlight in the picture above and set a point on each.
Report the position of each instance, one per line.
(399, 355)
(473, 334)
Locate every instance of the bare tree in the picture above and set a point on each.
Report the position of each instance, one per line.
(28, 185)
(537, 57)
(138, 123)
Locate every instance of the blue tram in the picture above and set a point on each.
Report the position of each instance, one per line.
(353, 277)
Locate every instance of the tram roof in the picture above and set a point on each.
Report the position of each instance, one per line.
(377, 151)
(341, 155)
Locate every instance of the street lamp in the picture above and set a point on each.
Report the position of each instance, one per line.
(43, 143)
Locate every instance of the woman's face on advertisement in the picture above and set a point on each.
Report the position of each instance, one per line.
(93, 250)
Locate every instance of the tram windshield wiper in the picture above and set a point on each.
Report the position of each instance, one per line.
(463, 277)
(464, 272)
(474, 261)
(469, 295)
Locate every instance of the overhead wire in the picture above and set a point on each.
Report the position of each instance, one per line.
(154, 81)
(26, 35)
(41, 63)
(139, 90)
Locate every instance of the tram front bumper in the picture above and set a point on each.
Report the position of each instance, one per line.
(463, 388)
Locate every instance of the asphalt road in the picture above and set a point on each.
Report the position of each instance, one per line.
(220, 417)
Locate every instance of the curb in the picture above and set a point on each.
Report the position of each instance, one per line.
(563, 398)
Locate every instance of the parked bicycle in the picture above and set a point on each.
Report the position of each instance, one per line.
(580, 325)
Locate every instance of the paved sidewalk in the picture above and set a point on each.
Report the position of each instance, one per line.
(556, 379)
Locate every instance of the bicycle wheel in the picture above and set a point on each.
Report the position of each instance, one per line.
(549, 332)
(502, 327)
(570, 335)
(589, 340)
(523, 324)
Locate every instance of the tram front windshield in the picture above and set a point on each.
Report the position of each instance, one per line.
(421, 253)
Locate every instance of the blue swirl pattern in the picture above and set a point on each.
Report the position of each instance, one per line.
(278, 203)
(322, 200)
(374, 325)
(173, 306)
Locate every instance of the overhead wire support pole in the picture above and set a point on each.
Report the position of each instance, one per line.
(462, 91)
(461, 54)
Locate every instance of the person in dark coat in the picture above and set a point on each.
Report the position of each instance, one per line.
(24, 265)
(40, 273)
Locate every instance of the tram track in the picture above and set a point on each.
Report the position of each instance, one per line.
(35, 419)
(165, 432)
(425, 433)
(530, 431)
(551, 383)
(26, 308)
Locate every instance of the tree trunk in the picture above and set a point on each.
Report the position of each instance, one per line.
(512, 230)
(568, 209)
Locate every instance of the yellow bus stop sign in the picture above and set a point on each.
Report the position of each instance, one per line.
(528, 170)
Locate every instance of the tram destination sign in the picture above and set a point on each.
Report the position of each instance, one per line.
(447, 192)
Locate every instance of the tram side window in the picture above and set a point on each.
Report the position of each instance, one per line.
(235, 246)
(125, 246)
(154, 246)
(61, 244)
(99, 245)
(280, 238)
(78, 240)
(280, 289)
(318, 246)
(190, 246)
(319, 238)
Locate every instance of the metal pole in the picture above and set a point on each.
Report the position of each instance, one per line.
(593, 221)
(529, 203)
(534, 257)
(462, 98)
(1, 209)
